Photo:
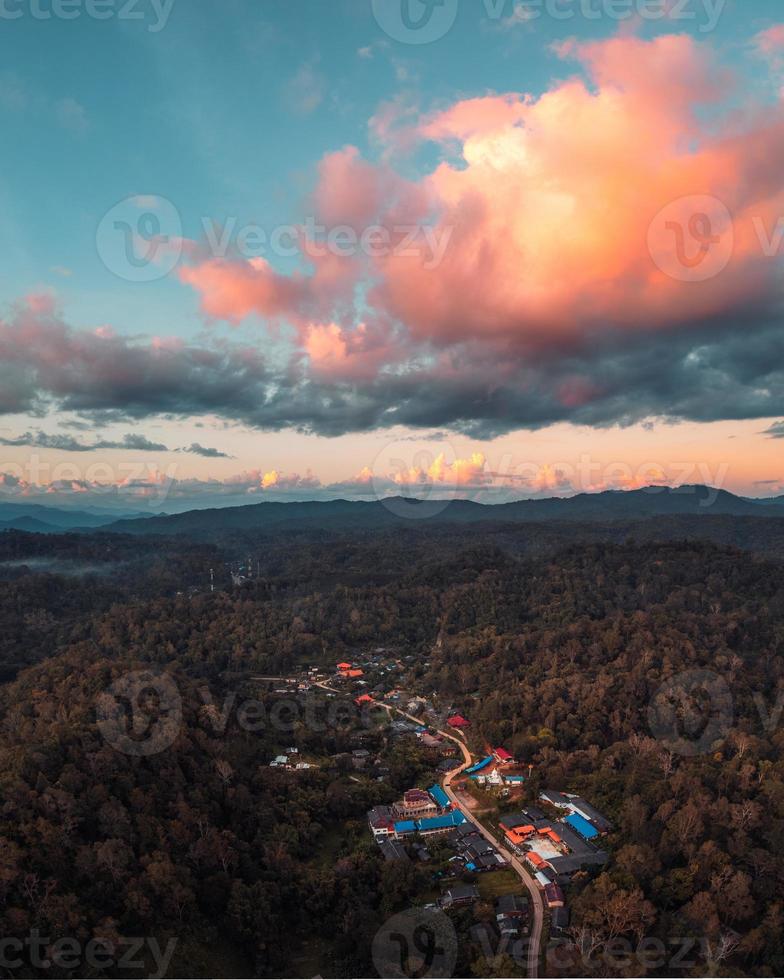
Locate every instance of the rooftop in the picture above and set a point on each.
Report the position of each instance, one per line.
(393, 850)
(582, 826)
(439, 796)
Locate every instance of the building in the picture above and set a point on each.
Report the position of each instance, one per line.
(439, 796)
(458, 721)
(478, 766)
(487, 862)
(492, 778)
(459, 895)
(577, 805)
(554, 896)
(363, 699)
(430, 825)
(502, 757)
(382, 822)
(559, 919)
(508, 926)
(401, 727)
(514, 905)
(553, 849)
(393, 850)
(583, 827)
(416, 803)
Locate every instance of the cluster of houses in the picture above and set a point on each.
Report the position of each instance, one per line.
(512, 919)
(555, 850)
(422, 812)
(473, 852)
(428, 812)
(288, 762)
(376, 670)
(493, 770)
(511, 922)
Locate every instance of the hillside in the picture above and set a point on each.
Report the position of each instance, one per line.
(557, 658)
(608, 505)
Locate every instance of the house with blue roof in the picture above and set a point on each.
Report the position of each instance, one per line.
(439, 796)
(479, 765)
(583, 827)
(430, 825)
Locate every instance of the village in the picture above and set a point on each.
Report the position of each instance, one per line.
(473, 825)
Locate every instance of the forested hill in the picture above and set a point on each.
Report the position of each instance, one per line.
(559, 658)
(609, 505)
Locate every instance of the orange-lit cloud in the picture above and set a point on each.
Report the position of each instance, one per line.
(602, 252)
(459, 473)
(551, 204)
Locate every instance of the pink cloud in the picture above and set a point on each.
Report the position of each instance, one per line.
(771, 41)
(577, 220)
(549, 210)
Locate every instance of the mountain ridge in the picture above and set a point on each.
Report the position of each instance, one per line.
(605, 505)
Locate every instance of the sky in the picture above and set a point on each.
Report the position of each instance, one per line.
(300, 249)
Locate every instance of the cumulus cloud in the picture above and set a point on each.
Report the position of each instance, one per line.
(550, 301)
(547, 304)
(459, 473)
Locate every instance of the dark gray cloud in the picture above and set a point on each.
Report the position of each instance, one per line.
(205, 451)
(706, 372)
(69, 444)
(775, 431)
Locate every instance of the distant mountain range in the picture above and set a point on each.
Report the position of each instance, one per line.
(608, 505)
(54, 520)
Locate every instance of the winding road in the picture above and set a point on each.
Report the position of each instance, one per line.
(515, 863)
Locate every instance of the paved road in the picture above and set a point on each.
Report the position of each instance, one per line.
(514, 862)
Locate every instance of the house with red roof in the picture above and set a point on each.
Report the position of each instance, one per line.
(363, 699)
(503, 757)
(458, 721)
